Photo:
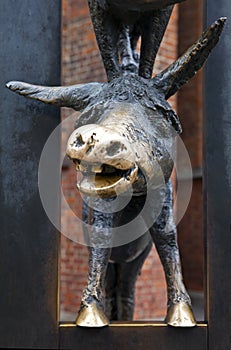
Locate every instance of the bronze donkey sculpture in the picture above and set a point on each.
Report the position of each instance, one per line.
(122, 142)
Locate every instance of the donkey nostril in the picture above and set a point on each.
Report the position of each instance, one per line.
(115, 147)
(78, 142)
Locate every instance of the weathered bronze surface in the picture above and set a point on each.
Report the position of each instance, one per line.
(122, 140)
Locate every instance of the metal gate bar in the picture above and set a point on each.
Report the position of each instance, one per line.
(30, 51)
(217, 180)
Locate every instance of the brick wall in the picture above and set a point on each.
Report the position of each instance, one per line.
(190, 229)
(82, 63)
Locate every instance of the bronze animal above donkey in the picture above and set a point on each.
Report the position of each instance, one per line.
(123, 145)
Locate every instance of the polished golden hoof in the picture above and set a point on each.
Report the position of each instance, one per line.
(180, 315)
(91, 316)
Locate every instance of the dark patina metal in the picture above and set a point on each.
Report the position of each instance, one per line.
(29, 241)
(110, 117)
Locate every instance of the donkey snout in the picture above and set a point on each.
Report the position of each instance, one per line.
(95, 144)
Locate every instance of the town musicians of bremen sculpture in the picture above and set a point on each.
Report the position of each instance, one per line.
(123, 145)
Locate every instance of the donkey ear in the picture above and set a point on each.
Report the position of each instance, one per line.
(74, 96)
(178, 73)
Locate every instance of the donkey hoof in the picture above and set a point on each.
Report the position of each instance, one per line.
(180, 315)
(91, 316)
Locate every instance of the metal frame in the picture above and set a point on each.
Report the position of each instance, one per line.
(217, 180)
(30, 246)
(136, 336)
(30, 50)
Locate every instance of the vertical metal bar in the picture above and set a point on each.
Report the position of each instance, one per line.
(30, 51)
(217, 180)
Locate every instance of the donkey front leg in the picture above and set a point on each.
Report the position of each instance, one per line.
(91, 313)
(179, 313)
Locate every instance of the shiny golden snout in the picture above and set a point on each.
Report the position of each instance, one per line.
(105, 158)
